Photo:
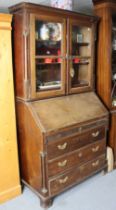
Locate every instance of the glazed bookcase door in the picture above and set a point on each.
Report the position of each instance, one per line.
(80, 56)
(48, 50)
(113, 92)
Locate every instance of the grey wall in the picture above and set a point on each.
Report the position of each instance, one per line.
(78, 5)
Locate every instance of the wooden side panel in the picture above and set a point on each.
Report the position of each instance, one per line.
(19, 55)
(112, 135)
(104, 56)
(9, 168)
(105, 9)
(30, 146)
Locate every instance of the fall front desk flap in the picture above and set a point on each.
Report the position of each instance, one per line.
(57, 113)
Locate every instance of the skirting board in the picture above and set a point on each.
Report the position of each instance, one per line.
(9, 194)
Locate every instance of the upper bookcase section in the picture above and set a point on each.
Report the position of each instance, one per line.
(53, 51)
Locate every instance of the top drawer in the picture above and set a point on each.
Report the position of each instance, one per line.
(61, 146)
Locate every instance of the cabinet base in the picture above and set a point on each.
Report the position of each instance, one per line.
(45, 202)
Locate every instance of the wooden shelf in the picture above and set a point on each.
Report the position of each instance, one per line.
(49, 87)
(53, 63)
(80, 57)
(48, 56)
(81, 44)
(84, 63)
(47, 41)
(80, 84)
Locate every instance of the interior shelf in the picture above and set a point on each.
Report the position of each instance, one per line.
(80, 83)
(45, 63)
(81, 44)
(81, 63)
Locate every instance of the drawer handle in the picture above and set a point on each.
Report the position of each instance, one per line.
(95, 163)
(95, 149)
(80, 154)
(63, 146)
(63, 181)
(62, 164)
(95, 134)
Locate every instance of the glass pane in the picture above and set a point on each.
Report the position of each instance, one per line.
(48, 73)
(79, 72)
(114, 60)
(48, 38)
(81, 39)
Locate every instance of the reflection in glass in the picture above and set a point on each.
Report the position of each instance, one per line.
(81, 39)
(79, 72)
(48, 38)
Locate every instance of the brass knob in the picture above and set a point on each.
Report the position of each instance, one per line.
(63, 181)
(62, 164)
(95, 134)
(95, 163)
(80, 154)
(63, 146)
(95, 149)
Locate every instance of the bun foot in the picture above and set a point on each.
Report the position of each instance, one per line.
(46, 203)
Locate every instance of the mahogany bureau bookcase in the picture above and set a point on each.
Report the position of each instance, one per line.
(62, 124)
(106, 62)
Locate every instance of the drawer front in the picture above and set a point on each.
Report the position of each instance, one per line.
(77, 129)
(62, 146)
(76, 158)
(76, 175)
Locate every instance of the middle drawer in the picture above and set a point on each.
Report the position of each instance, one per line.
(77, 157)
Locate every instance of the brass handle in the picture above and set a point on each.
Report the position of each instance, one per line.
(82, 168)
(62, 164)
(95, 149)
(80, 154)
(95, 134)
(63, 146)
(63, 181)
(95, 163)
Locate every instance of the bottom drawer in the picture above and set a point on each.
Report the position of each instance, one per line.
(76, 175)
